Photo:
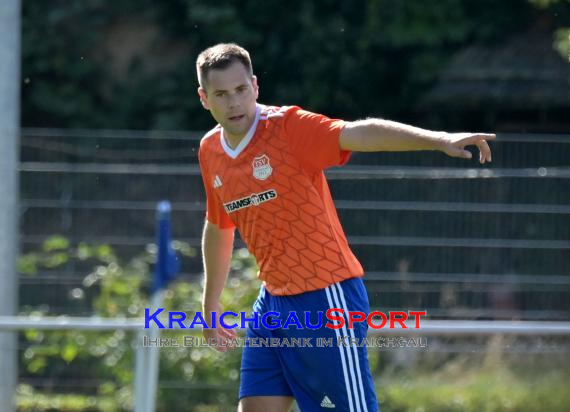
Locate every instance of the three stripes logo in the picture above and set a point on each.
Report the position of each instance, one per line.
(349, 357)
(326, 403)
(217, 182)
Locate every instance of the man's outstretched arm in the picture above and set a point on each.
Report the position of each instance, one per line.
(217, 247)
(376, 135)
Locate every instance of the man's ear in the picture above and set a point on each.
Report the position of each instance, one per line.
(203, 98)
(255, 86)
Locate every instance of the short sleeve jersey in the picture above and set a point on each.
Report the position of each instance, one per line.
(273, 189)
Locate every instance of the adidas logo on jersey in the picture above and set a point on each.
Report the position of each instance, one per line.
(217, 182)
(326, 403)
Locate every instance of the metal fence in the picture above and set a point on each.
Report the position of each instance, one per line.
(463, 241)
(145, 367)
(483, 249)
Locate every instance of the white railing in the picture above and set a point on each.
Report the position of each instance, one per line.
(146, 357)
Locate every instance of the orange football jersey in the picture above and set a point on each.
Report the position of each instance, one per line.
(273, 189)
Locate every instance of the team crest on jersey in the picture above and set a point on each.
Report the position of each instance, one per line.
(261, 167)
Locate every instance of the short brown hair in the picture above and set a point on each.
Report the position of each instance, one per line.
(221, 56)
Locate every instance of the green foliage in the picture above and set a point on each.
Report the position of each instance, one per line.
(120, 291)
(53, 253)
(82, 67)
(562, 43)
(31, 401)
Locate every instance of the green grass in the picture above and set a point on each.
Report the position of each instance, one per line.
(482, 390)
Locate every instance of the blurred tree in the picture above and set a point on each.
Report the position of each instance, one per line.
(130, 64)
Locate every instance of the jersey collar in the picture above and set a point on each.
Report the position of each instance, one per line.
(233, 153)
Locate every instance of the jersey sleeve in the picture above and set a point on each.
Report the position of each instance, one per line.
(215, 212)
(315, 139)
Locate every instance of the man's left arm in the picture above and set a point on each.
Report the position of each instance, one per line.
(376, 135)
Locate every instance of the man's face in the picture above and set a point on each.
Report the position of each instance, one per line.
(230, 95)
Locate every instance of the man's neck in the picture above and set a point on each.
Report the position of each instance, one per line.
(233, 140)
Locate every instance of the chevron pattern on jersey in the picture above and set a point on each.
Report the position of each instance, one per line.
(296, 237)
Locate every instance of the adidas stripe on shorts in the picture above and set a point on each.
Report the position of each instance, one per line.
(320, 378)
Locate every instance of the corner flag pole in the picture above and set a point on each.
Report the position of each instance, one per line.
(166, 268)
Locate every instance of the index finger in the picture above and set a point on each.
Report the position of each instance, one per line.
(485, 136)
(477, 137)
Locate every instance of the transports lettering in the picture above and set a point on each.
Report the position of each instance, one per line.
(255, 199)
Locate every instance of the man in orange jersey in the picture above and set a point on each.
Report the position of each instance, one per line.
(262, 168)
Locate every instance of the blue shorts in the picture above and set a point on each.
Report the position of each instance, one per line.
(319, 377)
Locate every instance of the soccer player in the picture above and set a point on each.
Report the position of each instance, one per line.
(262, 168)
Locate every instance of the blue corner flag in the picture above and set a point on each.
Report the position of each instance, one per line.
(167, 263)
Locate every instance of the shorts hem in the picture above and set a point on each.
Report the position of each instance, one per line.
(250, 395)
